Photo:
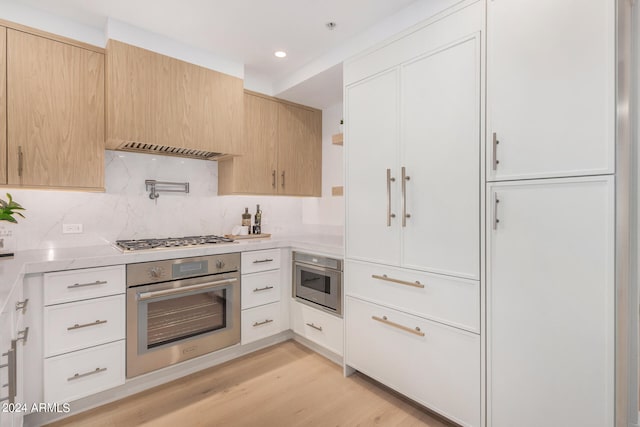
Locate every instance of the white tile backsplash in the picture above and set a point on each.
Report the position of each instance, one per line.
(125, 211)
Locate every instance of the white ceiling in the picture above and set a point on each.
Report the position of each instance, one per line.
(248, 31)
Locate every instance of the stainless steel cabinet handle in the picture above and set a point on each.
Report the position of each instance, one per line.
(405, 215)
(22, 305)
(20, 161)
(495, 151)
(390, 215)
(266, 288)
(273, 178)
(383, 319)
(143, 296)
(86, 374)
(384, 277)
(82, 285)
(262, 323)
(258, 261)
(495, 211)
(13, 374)
(317, 328)
(282, 176)
(23, 335)
(77, 326)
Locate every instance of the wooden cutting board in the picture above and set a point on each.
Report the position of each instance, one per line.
(248, 236)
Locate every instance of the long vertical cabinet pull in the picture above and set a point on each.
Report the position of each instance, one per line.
(390, 215)
(273, 178)
(20, 160)
(495, 151)
(282, 176)
(405, 215)
(496, 200)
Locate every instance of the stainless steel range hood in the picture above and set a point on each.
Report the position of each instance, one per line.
(165, 150)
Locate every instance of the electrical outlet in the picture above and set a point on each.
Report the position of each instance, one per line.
(71, 228)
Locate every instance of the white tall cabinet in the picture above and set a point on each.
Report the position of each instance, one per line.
(550, 242)
(551, 302)
(413, 117)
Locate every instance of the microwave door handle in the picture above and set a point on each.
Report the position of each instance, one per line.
(143, 296)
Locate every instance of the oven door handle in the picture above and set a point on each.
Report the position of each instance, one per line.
(143, 296)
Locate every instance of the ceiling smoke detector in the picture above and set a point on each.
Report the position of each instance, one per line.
(331, 25)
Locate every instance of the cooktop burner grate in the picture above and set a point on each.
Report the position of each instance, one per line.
(170, 242)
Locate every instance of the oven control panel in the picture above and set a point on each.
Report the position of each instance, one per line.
(172, 269)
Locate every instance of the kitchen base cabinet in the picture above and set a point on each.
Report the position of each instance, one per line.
(322, 328)
(262, 314)
(81, 373)
(436, 365)
(444, 299)
(261, 322)
(550, 303)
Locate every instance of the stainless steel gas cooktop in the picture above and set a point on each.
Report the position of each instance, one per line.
(170, 242)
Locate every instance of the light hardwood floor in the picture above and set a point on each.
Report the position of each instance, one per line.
(284, 385)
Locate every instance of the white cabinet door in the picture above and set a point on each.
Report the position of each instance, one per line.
(550, 88)
(551, 303)
(371, 149)
(440, 107)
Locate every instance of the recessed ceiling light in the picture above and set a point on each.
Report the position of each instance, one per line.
(280, 53)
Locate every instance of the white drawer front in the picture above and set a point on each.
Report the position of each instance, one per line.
(82, 324)
(253, 262)
(260, 288)
(440, 370)
(322, 328)
(261, 322)
(85, 372)
(444, 299)
(75, 285)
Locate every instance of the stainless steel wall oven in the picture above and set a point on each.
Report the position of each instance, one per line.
(317, 281)
(179, 309)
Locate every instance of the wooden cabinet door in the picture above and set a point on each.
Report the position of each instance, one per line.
(550, 303)
(299, 151)
(440, 104)
(551, 77)
(55, 113)
(372, 223)
(255, 172)
(3, 105)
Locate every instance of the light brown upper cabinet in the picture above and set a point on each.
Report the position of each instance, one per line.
(283, 150)
(3, 105)
(55, 117)
(157, 103)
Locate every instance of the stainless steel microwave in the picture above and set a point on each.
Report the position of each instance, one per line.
(317, 281)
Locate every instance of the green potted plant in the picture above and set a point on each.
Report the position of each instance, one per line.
(8, 210)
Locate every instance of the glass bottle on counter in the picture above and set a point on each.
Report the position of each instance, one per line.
(246, 218)
(258, 221)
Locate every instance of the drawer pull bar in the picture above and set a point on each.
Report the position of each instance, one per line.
(258, 261)
(266, 288)
(82, 285)
(317, 328)
(384, 277)
(4, 366)
(22, 305)
(262, 323)
(76, 326)
(23, 335)
(86, 374)
(386, 321)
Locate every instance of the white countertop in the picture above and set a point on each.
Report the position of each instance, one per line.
(12, 270)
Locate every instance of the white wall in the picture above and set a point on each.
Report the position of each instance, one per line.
(328, 209)
(124, 210)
